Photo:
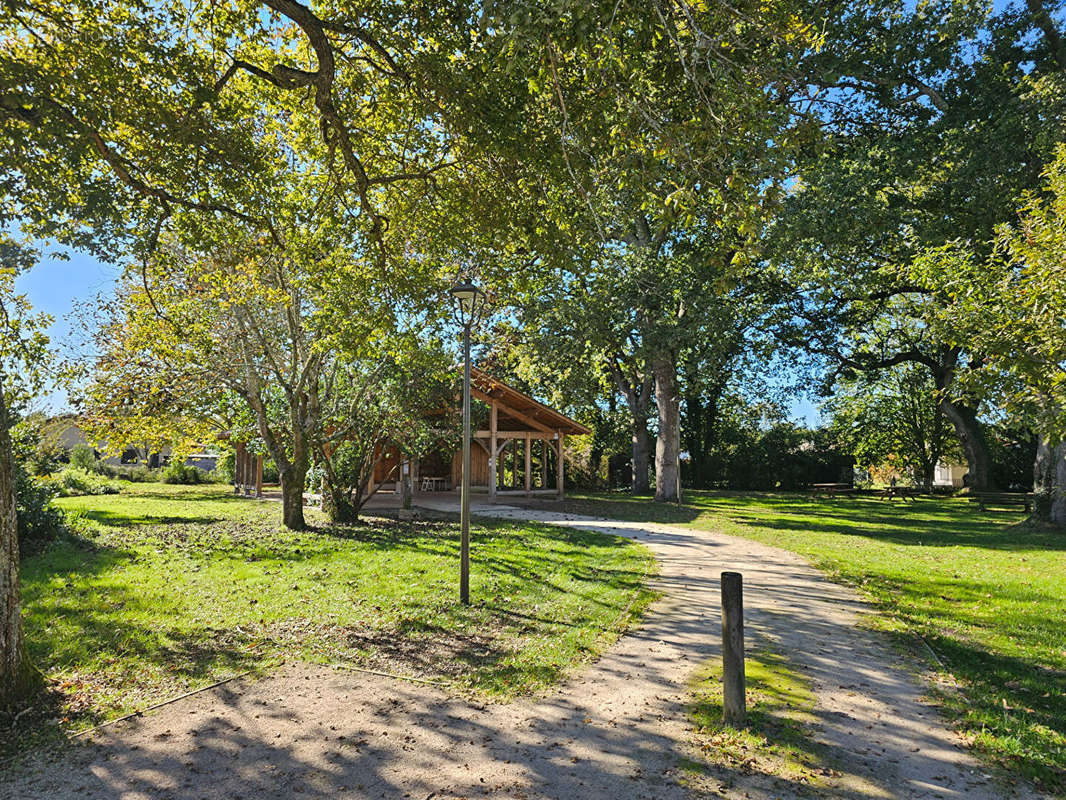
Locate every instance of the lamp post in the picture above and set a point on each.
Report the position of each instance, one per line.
(469, 303)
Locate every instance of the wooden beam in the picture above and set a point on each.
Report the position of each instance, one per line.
(543, 463)
(514, 412)
(529, 464)
(505, 434)
(559, 470)
(493, 452)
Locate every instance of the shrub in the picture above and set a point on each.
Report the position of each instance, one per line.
(83, 457)
(38, 520)
(134, 473)
(214, 476)
(182, 474)
(74, 481)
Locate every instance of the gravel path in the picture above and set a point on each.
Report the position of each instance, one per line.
(616, 730)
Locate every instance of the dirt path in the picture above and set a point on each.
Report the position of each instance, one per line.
(617, 730)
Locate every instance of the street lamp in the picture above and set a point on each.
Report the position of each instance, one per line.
(469, 304)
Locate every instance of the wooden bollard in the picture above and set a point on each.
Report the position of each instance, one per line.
(734, 706)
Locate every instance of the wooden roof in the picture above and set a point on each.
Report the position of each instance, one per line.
(487, 388)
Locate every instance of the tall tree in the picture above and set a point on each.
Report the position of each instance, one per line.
(937, 115)
(645, 141)
(1010, 305)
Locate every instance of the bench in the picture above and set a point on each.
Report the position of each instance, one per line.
(831, 489)
(986, 500)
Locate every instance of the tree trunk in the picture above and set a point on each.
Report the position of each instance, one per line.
(1049, 483)
(974, 445)
(668, 442)
(641, 456)
(695, 437)
(637, 392)
(928, 475)
(18, 678)
(292, 497)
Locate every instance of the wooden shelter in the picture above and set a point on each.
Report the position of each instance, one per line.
(522, 430)
(517, 449)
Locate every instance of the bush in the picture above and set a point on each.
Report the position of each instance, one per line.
(74, 481)
(38, 520)
(183, 474)
(136, 473)
(83, 457)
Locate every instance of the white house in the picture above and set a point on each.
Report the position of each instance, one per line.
(949, 474)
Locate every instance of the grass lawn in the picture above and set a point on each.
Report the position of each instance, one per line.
(166, 589)
(984, 591)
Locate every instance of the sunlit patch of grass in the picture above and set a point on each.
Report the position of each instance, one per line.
(168, 588)
(775, 740)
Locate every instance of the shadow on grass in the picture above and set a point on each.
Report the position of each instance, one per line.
(115, 519)
(115, 643)
(927, 521)
(1026, 734)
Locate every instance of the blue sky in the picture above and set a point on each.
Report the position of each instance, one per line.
(60, 288)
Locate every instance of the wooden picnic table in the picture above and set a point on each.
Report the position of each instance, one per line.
(903, 492)
(1004, 500)
(434, 484)
(831, 489)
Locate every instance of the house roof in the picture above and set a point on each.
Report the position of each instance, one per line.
(487, 388)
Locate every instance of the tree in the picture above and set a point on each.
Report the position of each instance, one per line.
(894, 417)
(1011, 304)
(648, 155)
(24, 359)
(937, 115)
(229, 318)
(175, 122)
(398, 399)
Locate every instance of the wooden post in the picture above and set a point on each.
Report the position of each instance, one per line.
(559, 468)
(259, 476)
(492, 451)
(236, 468)
(529, 476)
(543, 463)
(734, 706)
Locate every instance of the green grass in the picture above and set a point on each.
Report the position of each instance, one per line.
(985, 591)
(168, 588)
(775, 740)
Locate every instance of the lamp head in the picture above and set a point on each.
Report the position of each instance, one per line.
(469, 302)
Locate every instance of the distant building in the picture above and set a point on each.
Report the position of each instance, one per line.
(949, 474)
(65, 432)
